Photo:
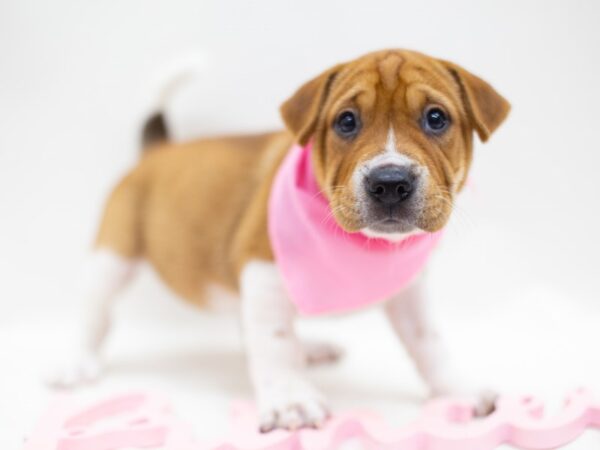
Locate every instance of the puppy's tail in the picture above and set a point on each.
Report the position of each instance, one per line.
(155, 129)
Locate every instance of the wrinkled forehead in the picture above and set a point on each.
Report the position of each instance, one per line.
(396, 80)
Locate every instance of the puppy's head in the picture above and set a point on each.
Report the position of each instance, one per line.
(392, 137)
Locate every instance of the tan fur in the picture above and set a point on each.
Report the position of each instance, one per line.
(198, 211)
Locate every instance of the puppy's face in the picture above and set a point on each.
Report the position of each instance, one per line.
(392, 137)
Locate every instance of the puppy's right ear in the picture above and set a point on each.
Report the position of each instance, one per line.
(301, 112)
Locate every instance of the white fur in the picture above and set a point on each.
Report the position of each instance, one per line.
(276, 358)
(392, 237)
(105, 274)
(391, 155)
(166, 83)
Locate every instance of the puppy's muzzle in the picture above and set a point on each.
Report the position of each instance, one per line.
(391, 184)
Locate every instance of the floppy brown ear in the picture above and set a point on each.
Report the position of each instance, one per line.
(486, 108)
(301, 111)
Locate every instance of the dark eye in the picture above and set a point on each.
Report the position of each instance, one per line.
(435, 120)
(346, 124)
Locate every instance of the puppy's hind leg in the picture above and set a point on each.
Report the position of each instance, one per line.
(105, 274)
(110, 266)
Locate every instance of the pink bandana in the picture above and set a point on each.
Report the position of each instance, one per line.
(326, 269)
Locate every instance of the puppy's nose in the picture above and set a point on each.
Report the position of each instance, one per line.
(390, 184)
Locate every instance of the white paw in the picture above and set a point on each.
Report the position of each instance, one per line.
(290, 403)
(85, 369)
(318, 353)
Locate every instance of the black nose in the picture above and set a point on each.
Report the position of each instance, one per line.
(390, 185)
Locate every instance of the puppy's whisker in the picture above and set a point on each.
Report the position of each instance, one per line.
(460, 213)
(331, 214)
(341, 208)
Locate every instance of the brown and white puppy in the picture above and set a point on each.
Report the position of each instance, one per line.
(198, 211)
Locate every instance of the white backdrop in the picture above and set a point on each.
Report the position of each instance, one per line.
(516, 283)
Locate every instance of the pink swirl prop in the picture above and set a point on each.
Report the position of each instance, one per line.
(145, 421)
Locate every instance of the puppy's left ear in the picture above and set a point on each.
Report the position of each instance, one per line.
(485, 107)
(301, 111)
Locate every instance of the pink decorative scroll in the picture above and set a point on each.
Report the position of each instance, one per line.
(145, 421)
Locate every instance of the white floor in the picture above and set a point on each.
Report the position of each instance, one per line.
(528, 338)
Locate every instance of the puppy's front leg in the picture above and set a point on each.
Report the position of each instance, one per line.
(411, 320)
(276, 358)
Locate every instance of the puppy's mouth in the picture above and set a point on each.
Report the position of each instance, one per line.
(408, 217)
(392, 222)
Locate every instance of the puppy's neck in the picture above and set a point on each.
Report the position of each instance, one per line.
(391, 237)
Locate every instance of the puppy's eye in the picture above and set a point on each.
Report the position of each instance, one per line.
(435, 120)
(347, 124)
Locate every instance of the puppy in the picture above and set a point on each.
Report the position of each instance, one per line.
(375, 152)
